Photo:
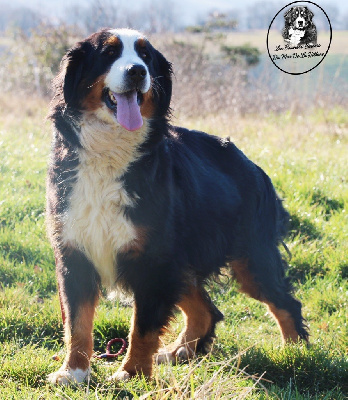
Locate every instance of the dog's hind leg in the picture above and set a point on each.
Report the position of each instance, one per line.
(78, 291)
(200, 317)
(270, 286)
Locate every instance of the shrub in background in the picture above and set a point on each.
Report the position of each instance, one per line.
(32, 59)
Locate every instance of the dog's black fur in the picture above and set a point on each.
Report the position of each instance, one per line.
(200, 201)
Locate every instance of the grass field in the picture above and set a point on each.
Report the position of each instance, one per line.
(307, 161)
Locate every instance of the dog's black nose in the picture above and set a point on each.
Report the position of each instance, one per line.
(300, 23)
(136, 73)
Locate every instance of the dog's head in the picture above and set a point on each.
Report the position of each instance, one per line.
(298, 17)
(113, 73)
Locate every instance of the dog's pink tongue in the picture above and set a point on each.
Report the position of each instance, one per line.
(128, 111)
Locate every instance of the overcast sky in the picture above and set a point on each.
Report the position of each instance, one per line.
(190, 10)
(186, 6)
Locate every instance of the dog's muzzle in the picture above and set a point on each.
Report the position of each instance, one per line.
(126, 105)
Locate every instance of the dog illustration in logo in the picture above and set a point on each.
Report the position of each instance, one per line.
(299, 28)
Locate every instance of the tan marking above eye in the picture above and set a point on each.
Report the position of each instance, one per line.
(141, 42)
(112, 41)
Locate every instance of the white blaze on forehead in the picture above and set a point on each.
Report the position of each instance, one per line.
(115, 79)
(127, 32)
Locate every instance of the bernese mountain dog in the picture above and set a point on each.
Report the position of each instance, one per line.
(299, 28)
(138, 204)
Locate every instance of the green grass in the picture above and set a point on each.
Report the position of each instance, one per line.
(306, 159)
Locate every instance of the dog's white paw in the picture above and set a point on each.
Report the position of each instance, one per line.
(165, 357)
(181, 354)
(120, 376)
(68, 376)
(184, 353)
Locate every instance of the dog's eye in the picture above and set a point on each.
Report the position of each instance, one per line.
(110, 51)
(144, 54)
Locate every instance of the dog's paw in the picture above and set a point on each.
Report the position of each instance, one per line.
(181, 354)
(165, 357)
(67, 376)
(120, 376)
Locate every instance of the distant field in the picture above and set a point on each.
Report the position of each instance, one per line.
(198, 58)
(307, 161)
(257, 38)
(330, 76)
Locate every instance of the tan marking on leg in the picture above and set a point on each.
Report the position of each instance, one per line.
(249, 286)
(285, 322)
(246, 279)
(79, 339)
(139, 357)
(198, 322)
(79, 343)
(197, 316)
(61, 302)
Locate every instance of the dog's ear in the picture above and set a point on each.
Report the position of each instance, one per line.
(287, 14)
(162, 81)
(73, 65)
(309, 13)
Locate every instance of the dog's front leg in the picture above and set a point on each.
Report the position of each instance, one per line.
(142, 346)
(78, 285)
(151, 313)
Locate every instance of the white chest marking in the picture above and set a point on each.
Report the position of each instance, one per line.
(95, 222)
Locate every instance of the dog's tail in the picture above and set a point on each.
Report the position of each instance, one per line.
(272, 218)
